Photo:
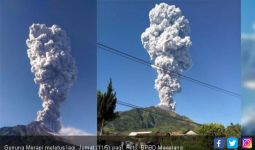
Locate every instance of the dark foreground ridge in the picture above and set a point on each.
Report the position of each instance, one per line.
(35, 128)
(34, 133)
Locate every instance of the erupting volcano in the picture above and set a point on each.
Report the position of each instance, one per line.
(167, 42)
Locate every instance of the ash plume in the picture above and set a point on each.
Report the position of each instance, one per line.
(167, 41)
(54, 70)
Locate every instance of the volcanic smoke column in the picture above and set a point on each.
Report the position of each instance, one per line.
(54, 69)
(167, 42)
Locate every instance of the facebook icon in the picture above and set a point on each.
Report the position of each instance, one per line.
(219, 143)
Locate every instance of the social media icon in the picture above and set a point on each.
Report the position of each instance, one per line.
(246, 143)
(232, 143)
(219, 143)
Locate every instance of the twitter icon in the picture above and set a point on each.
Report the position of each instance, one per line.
(232, 143)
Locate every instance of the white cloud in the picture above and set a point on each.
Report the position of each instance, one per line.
(250, 36)
(70, 131)
(249, 84)
(248, 60)
(77, 136)
(245, 36)
(248, 81)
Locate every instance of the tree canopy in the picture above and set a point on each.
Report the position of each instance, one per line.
(106, 104)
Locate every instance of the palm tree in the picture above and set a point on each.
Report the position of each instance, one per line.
(106, 103)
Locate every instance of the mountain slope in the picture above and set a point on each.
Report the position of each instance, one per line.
(34, 133)
(152, 118)
(35, 128)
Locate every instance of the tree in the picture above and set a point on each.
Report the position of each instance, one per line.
(212, 129)
(208, 132)
(233, 130)
(106, 103)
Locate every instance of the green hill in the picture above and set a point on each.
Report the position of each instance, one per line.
(149, 119)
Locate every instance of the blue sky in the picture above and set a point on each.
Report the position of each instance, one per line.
(247, 23)
(19, 99)
(247, 16)
(215, 34)
(247, 29)
(248, 20)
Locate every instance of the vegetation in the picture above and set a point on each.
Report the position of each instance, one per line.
(160, 121)
(157, 120)
(212, 129)
(106, 103)
(149, 119)
(233, 130)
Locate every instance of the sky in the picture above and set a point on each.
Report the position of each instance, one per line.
(19, 99)
(215, 52)
(247, 49)
(247, 17)
(247, 29)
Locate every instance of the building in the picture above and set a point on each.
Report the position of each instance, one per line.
(139, 133)
(190, 132)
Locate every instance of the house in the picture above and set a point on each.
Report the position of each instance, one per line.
(139, 133)
(187, 133)
(190, 132)
(176, 133)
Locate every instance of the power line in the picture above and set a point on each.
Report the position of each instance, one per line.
(146, 110)
(147, 63)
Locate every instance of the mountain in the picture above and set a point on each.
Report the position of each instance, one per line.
(152, 119)
(34, 133)
(35, 128)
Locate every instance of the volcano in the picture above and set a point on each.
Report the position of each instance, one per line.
(35, 128)
(34, 133)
